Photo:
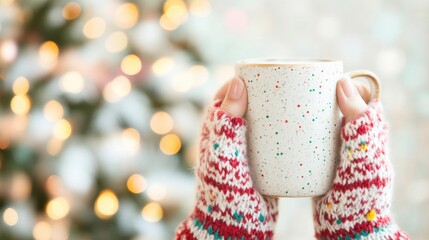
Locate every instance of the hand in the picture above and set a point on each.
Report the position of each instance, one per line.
(352, 97)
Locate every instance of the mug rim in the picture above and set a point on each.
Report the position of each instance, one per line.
(286, 61)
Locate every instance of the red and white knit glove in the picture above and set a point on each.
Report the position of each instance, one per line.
(358, 205)
(228, 207)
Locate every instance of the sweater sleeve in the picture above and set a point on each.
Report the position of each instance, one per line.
(358, 204)
(227, 207)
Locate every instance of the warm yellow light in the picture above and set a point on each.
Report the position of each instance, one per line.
(198, 74)
(131, 64)
(116, 42)
(170, 144)
(20, 187)
(54, 146)
(161, 123)
(42, 231)
(8, 51)
(106, 205)
(157, 192)
(53, 111)
(72, 82)
(57, 208)
(162, 65)
(62, 129)
(182, 82)
(126, 15)
(48, 52)
(94, 28)
(53, 185)
(21, 86)
(136, 183)
(171, 3)
(152, 212)
(20, 104)
(118, 88)
(167, 23)
(131, 138)
(71, 11)
(177, 13)
(200, 7)
(10, 216)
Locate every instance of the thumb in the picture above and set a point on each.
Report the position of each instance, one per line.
(235, 101)
(350, 101)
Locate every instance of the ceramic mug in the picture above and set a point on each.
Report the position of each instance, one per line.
(294, 123)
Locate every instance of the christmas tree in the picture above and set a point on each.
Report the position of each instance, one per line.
(99, 114)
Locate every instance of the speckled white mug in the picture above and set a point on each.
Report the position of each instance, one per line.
(294, 123)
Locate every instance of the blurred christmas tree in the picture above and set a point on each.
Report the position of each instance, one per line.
(100, 103)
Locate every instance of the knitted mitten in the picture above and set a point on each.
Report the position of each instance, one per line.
(357, 206)
(228, 207)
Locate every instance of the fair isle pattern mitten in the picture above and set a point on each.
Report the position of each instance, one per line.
(228, 207)
(358, 205)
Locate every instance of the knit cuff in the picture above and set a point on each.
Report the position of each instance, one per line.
(372, 118)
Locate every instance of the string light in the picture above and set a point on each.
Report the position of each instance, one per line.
(136, 183)
(42, 231)
(170, 144)
(10, 216)
(20, 187)
(53, 111)
(126, 15)
(20, 104)
(131, 64)
(21, 86)
(71, 11)
(94, 28)
(131, 139)
(72, 82)
(57, 208)
(116, 89)
(157, 192)
(116, 42)
(62, 129)
(175, 13)
(8, 51)
(152, 212)
(54, 146)
(48, 53)
(53, 185)
(106, 205)
(161, 123)
(162, 65)
(200, 8)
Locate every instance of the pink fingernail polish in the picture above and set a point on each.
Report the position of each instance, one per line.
(236, 89)
(347, 86)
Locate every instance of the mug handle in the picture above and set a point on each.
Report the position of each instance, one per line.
(374, 80)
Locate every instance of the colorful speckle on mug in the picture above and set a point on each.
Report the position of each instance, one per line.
(293, 122)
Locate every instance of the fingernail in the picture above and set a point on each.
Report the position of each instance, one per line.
(347, 86)
(236, 89)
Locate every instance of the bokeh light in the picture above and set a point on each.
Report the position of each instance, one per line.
(53, 111)
(157, 192)
(20, 188)
(10, 216)
(94, 28)
(116, 42)
(136, 183)
(163, 65)
(72, 82)
(48, 53)
(20, 104)
(42, 231)
(62, 129)
(8, 51)
(21, 86)
(161, 122)
(152, 212)
(126, 15)
(200, 8)
(53, 185)
(54, 146)
(170, 144)
(131, 139)
(71, 11)
(57, 208)
(106, 205)
(199, 75)
(131, 64)
(116, 89)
